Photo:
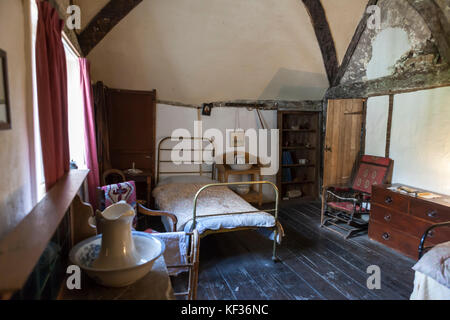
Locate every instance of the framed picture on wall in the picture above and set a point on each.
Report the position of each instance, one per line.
(5, 115)
(206, 110)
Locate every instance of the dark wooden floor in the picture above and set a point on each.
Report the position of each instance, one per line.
(315, 264)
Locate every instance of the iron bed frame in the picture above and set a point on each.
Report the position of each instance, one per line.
(422, 248)
(212, 185)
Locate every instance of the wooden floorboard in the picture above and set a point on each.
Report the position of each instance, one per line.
(372, 251)
(283, 278)
(363, 242)
(347, 260)
(315, 264)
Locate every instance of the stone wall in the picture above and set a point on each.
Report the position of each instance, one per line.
(403, 41)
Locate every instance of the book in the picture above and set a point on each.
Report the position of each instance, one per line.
(428, 195)
(287, 173)
(287, 158)
(407, 189)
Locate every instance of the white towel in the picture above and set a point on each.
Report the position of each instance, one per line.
(177, 246)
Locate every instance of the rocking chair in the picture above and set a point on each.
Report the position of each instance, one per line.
(347, 208)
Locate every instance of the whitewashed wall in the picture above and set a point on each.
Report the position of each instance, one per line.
(170, 118)
(377, 115)
(420, 137)
(16, 192)
(420, 143)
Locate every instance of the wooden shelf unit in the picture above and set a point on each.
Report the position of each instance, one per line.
(300, 137)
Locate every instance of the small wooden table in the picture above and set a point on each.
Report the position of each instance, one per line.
(146, 177)
(255, 195)
(154, 286)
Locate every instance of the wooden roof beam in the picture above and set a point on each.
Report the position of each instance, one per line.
(436, 22)
(324, 37)
(103, 22)
(353, 44)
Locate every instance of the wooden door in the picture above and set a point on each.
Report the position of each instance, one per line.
(344, 131)
(131, 118)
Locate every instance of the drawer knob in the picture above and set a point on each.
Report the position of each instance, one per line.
(432, 214)
(388, 200)
(387, 217)
(386, 236)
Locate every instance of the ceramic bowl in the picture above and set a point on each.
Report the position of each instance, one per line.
(148, 247)
(240, 167)
(243, 189)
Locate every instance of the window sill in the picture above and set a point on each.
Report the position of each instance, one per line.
(21, 249)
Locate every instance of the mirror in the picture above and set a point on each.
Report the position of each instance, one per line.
(5, 120)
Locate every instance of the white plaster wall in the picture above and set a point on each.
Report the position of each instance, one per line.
(401, 29)
(376, 125)
(196, 51)
(15, 186)
(420, 143)
(343, 17)
(388, 46)
(170, 118)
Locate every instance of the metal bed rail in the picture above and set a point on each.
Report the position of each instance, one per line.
(200, 171)
(427, 233)
(250, 183)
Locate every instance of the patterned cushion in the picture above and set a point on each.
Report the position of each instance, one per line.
(367, 176)
(120, 191)
(345, 206)
(376, 160)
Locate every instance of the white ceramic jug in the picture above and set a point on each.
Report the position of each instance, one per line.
(117, 250)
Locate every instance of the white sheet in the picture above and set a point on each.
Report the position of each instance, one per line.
(177, 198)
(425, 288)
(176, 250)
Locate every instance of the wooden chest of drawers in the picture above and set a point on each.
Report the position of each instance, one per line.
(398, 220)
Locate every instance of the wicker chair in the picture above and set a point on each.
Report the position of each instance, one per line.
(344, 206)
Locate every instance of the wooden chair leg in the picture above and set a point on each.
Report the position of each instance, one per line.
(194, 269)
(322, 213)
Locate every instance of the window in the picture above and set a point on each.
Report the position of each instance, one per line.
(39, 178)
(76, 109)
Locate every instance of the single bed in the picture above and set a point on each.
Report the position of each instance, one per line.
(190, 200)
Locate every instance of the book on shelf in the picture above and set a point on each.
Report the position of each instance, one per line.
(287, 175)
(287, 172)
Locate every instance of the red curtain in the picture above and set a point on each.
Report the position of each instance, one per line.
(51, 78)
(90, 135)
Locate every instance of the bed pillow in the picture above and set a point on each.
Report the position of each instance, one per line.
(436, 264)
(185, 179)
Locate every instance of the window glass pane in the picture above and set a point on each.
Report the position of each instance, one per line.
(76, 110)
(39, 169)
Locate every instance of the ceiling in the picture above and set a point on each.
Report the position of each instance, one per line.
(195, 50)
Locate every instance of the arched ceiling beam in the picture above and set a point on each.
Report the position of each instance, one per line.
(103, 22)
(436, 22)
(324, 37)
(353, 44)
